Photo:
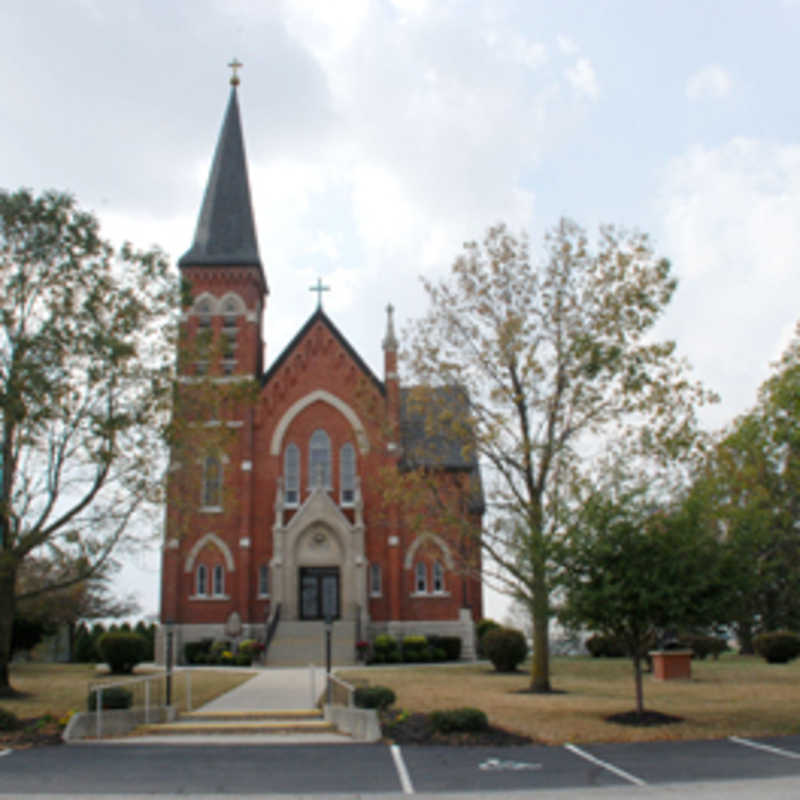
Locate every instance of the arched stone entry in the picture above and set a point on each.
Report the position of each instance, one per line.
(319, 561)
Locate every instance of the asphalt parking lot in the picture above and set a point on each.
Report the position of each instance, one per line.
(363, 770)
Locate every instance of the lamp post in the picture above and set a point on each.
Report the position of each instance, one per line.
(328, 632)
(168, 624)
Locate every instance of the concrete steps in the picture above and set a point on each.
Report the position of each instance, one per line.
(300, 643)
(245, 726)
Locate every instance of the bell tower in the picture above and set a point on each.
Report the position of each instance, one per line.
(223, 267)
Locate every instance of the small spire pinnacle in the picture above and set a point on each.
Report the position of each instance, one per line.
(319, 289)
(389, 341)
(235, 65)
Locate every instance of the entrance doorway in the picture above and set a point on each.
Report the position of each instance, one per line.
(319, 592)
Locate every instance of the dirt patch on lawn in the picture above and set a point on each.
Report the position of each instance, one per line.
(645, 719)
(402, 728)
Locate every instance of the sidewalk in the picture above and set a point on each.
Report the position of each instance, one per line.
(271, 689)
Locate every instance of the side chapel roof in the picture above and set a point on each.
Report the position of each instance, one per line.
(226, 232)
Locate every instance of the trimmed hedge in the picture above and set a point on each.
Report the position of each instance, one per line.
(379, 697)
(197, 652)
(458, 720)
(451, 645)
(603, 646)
(482, 627)
(777, 647)
(506, 648)
(113, 697)
(703, 646)
(8, 720)
(122, 651)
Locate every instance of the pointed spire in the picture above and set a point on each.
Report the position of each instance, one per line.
(389, 341)
(226, 233)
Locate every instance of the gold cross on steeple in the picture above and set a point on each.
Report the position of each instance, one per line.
(234, 65)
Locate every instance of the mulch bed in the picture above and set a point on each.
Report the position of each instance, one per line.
(32, 732)
(645, 719)
(406, 729)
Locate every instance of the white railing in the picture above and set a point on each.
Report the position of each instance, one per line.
(147, 681)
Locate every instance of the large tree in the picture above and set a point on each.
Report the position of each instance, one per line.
(557, 358)
(752, 480)
(85, 377)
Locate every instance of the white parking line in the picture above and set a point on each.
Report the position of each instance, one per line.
(5, 752)
(402, 772)
(605, 765)
(765, 747)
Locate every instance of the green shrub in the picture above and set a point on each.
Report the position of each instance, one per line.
(197, 652)
(250, 647)
(379, 697)
(84, 647)
(122, 651)
(113, 697)
(8, 720)
(506, 648)
(482, 627)
(438, 654)
(604, 646)
(385, 649)
(415, 648)
(777, 647)
(459, 720)
(451, 645)
(243, 660)
(703, 645)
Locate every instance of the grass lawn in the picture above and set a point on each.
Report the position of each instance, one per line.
(58, 688)
(737, 695)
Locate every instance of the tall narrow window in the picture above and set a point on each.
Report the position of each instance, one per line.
(203, 310)
(219, 581)
(438, 578)
(320, 460)
(421, 582)
(375, 588)
(347, 474)
(291, 475)
(263, 581)
(201, 584)
(212, 482)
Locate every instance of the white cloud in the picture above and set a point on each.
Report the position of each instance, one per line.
(712, 82)
(730, 227)
(583, 79)
(567, 45)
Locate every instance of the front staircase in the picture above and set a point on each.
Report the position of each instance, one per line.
(298, 643)
(256, 726)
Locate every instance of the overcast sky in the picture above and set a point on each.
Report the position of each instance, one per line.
(381, 134)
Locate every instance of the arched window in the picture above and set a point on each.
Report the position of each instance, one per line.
(231, 308)
(203, 309)
(212, 482)
(421, 579)
(291, 475)
(375, 588)
(347, 474)
(219, 581)
(438, 578)
(201, 582)
(263, 581)
(319, 462)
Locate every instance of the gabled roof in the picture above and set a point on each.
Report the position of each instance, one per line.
(226, 232)
(320, 316)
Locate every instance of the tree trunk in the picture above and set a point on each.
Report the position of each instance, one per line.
(7, 581)
(637, 674)
(744, 633)
(540, 663)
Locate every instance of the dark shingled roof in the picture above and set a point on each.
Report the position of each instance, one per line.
(226, 233)
(429, 430)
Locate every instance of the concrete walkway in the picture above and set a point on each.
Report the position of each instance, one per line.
(272, 689)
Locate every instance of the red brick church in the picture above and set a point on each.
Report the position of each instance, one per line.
(284, 522)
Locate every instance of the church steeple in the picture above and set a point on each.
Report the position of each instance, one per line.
(226, 233)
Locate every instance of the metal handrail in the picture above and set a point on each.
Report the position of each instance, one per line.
(99, 687)
(272, 625)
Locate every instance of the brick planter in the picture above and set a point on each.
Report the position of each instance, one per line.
(671, 665)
